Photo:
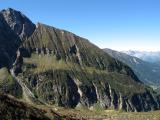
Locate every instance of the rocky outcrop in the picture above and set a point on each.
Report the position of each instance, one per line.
(70, 47)
(114, 89)
(61, 88)
(61, 68)
(14, 28)
(18, 23)
(9, 43)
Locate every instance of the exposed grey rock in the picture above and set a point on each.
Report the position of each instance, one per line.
(18, 22)
(68, 93)
(14, 28)
(92, 78)
(60, 88)
(9, 43)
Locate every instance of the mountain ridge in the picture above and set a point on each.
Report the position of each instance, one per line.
(18, 22)
(148, 56)
(66, 70)
(147, 72)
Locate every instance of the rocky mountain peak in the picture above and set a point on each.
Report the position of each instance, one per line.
(18, 22)
(60, 68)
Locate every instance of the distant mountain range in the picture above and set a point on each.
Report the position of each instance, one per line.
(152, 57)
(147, 71)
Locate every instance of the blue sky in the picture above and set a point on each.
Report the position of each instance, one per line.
(115, 24)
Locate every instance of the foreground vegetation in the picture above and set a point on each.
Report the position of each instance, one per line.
(13, 109)
(49, 62)
(87, 114)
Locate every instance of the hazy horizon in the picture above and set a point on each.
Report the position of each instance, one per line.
(116, 24)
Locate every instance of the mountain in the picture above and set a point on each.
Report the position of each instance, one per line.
(56, 67)
(147, 72)
(18, 22)
(152, 57)
(14, 27)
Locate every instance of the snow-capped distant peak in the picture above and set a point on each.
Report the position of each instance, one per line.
(153, 57)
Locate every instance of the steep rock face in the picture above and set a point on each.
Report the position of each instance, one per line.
(61, 68)
(69, 47)
(59, 89)
(67, 70)
(14, 28)
(18, 22)
(9, 44)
